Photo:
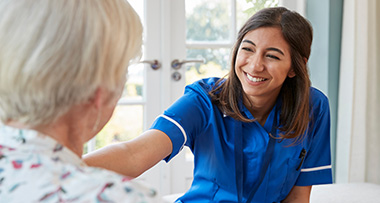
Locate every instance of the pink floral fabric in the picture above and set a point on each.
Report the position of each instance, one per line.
(36, 168)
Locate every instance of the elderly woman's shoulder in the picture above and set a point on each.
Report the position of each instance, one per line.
(110, 186)
(97, 184)
(69, 182)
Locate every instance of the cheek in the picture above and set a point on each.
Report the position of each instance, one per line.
(283, 74)
(240, 58)
(278, 73)
(111, 106)
(120, 89)
(237, 69)
(282, 70)
(239, 62)
(113, 98)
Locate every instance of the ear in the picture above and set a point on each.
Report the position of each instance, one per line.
(291, 73)
(97, 99)
(305, 60)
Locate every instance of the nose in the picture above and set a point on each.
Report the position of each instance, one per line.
(256, 63)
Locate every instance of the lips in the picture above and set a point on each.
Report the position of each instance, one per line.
(255, 79)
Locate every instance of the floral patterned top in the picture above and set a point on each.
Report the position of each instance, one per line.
(36, 168)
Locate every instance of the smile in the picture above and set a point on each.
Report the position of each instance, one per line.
(255, 79)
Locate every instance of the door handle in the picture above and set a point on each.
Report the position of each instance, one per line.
(154, 64)
(176, 64)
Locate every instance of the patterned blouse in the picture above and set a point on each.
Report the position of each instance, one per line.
(36, 168)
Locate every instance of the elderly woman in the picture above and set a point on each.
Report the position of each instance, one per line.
(63, 65)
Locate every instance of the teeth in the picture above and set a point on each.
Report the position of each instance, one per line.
(255, 79)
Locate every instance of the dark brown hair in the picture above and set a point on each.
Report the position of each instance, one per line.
(297, 32)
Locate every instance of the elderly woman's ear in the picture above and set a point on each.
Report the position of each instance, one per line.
(97, 99)
(103, 97)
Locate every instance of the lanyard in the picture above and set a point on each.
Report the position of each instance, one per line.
(239, 159)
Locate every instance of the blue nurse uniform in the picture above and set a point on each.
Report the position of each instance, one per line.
(194, 121)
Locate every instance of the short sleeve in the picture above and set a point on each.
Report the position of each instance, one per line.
(185, 119)
(316, 168)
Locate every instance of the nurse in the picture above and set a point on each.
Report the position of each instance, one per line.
(260, 135)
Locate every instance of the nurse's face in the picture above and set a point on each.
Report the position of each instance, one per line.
(263, 62)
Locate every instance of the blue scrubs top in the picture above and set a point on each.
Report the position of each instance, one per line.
(194, 121)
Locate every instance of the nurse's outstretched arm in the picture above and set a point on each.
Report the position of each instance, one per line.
(298, 194)
(134, 157)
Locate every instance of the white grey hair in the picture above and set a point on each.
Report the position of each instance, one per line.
(56, 53)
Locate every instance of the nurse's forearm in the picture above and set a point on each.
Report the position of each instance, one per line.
(134, 157)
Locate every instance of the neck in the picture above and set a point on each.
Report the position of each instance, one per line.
(68, 130)
(260, 107)
(66, 134)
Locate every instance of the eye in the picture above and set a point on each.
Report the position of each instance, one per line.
(273, 56)
(247, 49)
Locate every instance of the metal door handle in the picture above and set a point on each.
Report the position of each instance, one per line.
(176, 64)
(154, 64)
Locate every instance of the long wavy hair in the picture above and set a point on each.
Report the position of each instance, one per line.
(298, 33)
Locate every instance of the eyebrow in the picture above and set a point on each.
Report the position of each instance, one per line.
(270, 48)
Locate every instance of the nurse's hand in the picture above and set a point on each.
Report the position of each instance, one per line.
(134, 157)
(298, 194)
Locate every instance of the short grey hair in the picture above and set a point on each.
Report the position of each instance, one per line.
(56, 53)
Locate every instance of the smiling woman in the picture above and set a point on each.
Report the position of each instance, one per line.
(295, 90)
(263, 62)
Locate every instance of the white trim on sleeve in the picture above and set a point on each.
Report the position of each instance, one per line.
(315, 168)
(178, 125)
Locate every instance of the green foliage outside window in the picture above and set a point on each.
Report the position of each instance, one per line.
(259, 4)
